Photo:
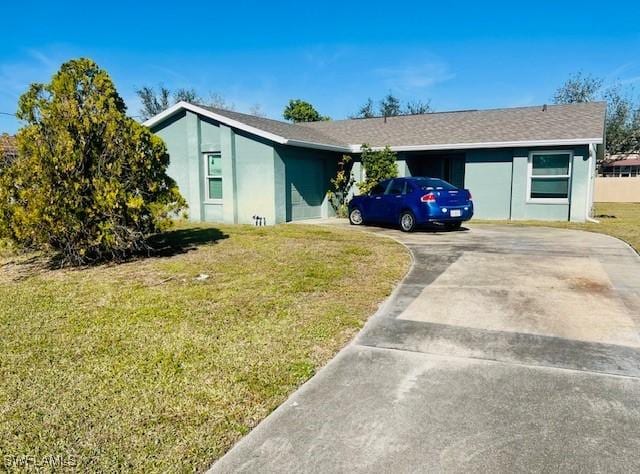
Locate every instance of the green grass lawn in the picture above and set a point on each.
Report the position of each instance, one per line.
(142, 366)
(621, 220)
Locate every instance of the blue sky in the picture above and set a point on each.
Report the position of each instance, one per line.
(334, 54)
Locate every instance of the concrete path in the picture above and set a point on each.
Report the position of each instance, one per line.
(504, 350)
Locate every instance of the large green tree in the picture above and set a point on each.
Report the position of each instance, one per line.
(623, 111)
(89, 182)
(298, 110)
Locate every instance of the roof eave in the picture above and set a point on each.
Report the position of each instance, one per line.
(319, 146)
(212, 115)
(504, 144)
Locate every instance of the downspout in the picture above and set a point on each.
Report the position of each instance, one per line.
(592, 178)
(594, 147)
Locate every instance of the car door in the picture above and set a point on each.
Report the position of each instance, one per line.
(392, 201)
(373, 209)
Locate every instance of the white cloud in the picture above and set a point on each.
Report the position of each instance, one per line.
(412, 77)
(322, 57)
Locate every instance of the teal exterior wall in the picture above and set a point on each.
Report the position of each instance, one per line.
(259, 178)
(578, 205)
(255, 179)
(180, 134)
(488, 175)
(229, 174)
(306, 179)
(403, 167)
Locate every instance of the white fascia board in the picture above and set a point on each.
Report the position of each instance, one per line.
(318, 146)
(462, 146)
(241, 126)
(212, 115)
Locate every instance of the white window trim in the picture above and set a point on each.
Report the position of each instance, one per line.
(205, 157)
(530, 176)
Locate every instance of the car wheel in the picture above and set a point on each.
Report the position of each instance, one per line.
(355, 217)
(407, 221)
(453, 225)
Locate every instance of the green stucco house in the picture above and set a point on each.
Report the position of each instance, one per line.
(519, 163)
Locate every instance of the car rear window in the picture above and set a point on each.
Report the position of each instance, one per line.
(434, 184)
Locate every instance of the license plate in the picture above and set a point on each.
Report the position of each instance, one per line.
(456, 212)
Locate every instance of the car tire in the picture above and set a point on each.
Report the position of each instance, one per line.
(450, 226)
(355, 217)
(407, 221)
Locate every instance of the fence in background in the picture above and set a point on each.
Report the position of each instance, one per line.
(617, 189)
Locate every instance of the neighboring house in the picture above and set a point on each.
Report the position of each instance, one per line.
(621, 166)
(8, 149)
(519, 163)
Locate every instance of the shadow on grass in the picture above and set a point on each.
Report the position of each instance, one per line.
(174, 242)
(26, 264)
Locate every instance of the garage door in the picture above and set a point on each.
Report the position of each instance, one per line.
(306, 193)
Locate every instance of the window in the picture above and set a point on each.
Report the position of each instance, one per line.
(549, 176)
(379, 188)
(213, 180)
(431, 184)
(397, 187)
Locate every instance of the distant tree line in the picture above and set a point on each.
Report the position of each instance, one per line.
(155, 100)
(298, 110)
(391, 106)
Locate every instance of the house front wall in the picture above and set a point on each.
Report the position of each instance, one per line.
(259, 178)
(281, 183)
(499, 181)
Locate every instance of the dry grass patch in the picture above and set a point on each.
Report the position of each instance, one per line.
(144, 366)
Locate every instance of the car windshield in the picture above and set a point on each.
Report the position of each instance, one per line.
(433, 184)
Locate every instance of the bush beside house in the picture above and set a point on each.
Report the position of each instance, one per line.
(88, 182)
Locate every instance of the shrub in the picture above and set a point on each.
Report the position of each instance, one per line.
(88, 181)
(341, 185)
(378, 166)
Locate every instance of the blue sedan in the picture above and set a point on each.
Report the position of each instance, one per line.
(410, 202)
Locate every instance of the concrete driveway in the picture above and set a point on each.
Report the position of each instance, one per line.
(504, 350)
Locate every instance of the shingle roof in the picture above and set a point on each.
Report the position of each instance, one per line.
(628, 159)
(581, 123)
(635, 162)
(557, 122)
(284, 129)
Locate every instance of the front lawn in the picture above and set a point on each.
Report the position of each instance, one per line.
(621, 220)
(161, 364)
